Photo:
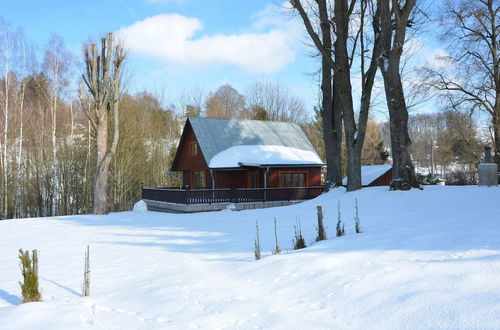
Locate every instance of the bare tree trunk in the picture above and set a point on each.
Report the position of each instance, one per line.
(103, 80)
(330, 113)
(102, 169)
(343, 92)
(17, 189)
(331, 116)
(392, 48)
(6, 110)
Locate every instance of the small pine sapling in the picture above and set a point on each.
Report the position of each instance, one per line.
(321, 228)
(356, 220)
(277, 250)
(29, 268)
(298, 241)
(86, 275)
(340, 225)
(257, 242)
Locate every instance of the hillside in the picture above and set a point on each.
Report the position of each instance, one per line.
(425, 260)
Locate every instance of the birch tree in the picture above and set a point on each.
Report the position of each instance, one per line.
(55, 68)
(103, 81)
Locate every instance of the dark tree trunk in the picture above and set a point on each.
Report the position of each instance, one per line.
(393, 23)
(331, 117)
(343, 93)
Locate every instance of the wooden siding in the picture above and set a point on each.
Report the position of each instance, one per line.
(232, 179)
(313, 175)
(383, 180)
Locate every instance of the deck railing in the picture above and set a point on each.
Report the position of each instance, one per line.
(241, 195)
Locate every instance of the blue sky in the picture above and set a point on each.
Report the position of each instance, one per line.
(178, 45)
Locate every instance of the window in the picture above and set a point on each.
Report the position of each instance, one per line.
(292, 179)
(199, 180)
(253, 179)
(193, 149)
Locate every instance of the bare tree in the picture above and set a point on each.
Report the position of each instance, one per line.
(103, 80)
(6, 53)
(331, 118)
(337, 90)
(276, 100)
(469, 76)
(394, 19)
(226, 102)
(55, 68)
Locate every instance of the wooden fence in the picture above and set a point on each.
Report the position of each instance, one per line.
(242, 195)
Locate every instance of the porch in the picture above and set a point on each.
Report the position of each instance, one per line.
(199, 200)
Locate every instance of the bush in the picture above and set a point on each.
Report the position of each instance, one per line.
(461, 178)
(357, 225)
(29, 268)
(428, 179)
(277, 250)
(340, 225)
(298, 240)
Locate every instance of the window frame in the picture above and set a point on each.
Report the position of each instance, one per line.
(281, 183)
(203, 175)
(193, 149)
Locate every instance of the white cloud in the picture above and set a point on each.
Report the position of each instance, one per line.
(171, 37)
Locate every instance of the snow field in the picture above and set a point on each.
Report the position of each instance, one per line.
(426, 260)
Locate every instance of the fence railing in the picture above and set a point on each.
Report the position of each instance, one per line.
(240, 195)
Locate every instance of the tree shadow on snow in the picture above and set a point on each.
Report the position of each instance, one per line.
(10, 298)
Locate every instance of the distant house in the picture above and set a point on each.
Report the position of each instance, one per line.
(227, 153)
(374, 175)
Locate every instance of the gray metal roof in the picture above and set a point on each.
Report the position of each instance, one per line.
(217, 135)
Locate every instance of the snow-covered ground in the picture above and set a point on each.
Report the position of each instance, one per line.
(427, 260)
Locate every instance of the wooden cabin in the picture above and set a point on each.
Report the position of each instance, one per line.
(228, 153)
(374, 175)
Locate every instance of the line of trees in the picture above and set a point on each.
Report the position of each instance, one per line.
(48, 145)
(362, 37)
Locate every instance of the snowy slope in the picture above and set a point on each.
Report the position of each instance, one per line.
(426, 260)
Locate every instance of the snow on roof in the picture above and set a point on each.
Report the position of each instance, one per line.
(370, 173)
(256, 155)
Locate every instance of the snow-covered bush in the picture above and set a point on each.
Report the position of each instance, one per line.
(428, 179)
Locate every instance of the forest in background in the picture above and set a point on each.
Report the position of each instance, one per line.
(47, 147)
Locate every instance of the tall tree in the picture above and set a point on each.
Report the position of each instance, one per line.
(331, 118)
(469, 75)
(337, 94)
(56, 69)
(394, 19)
(103, 80)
